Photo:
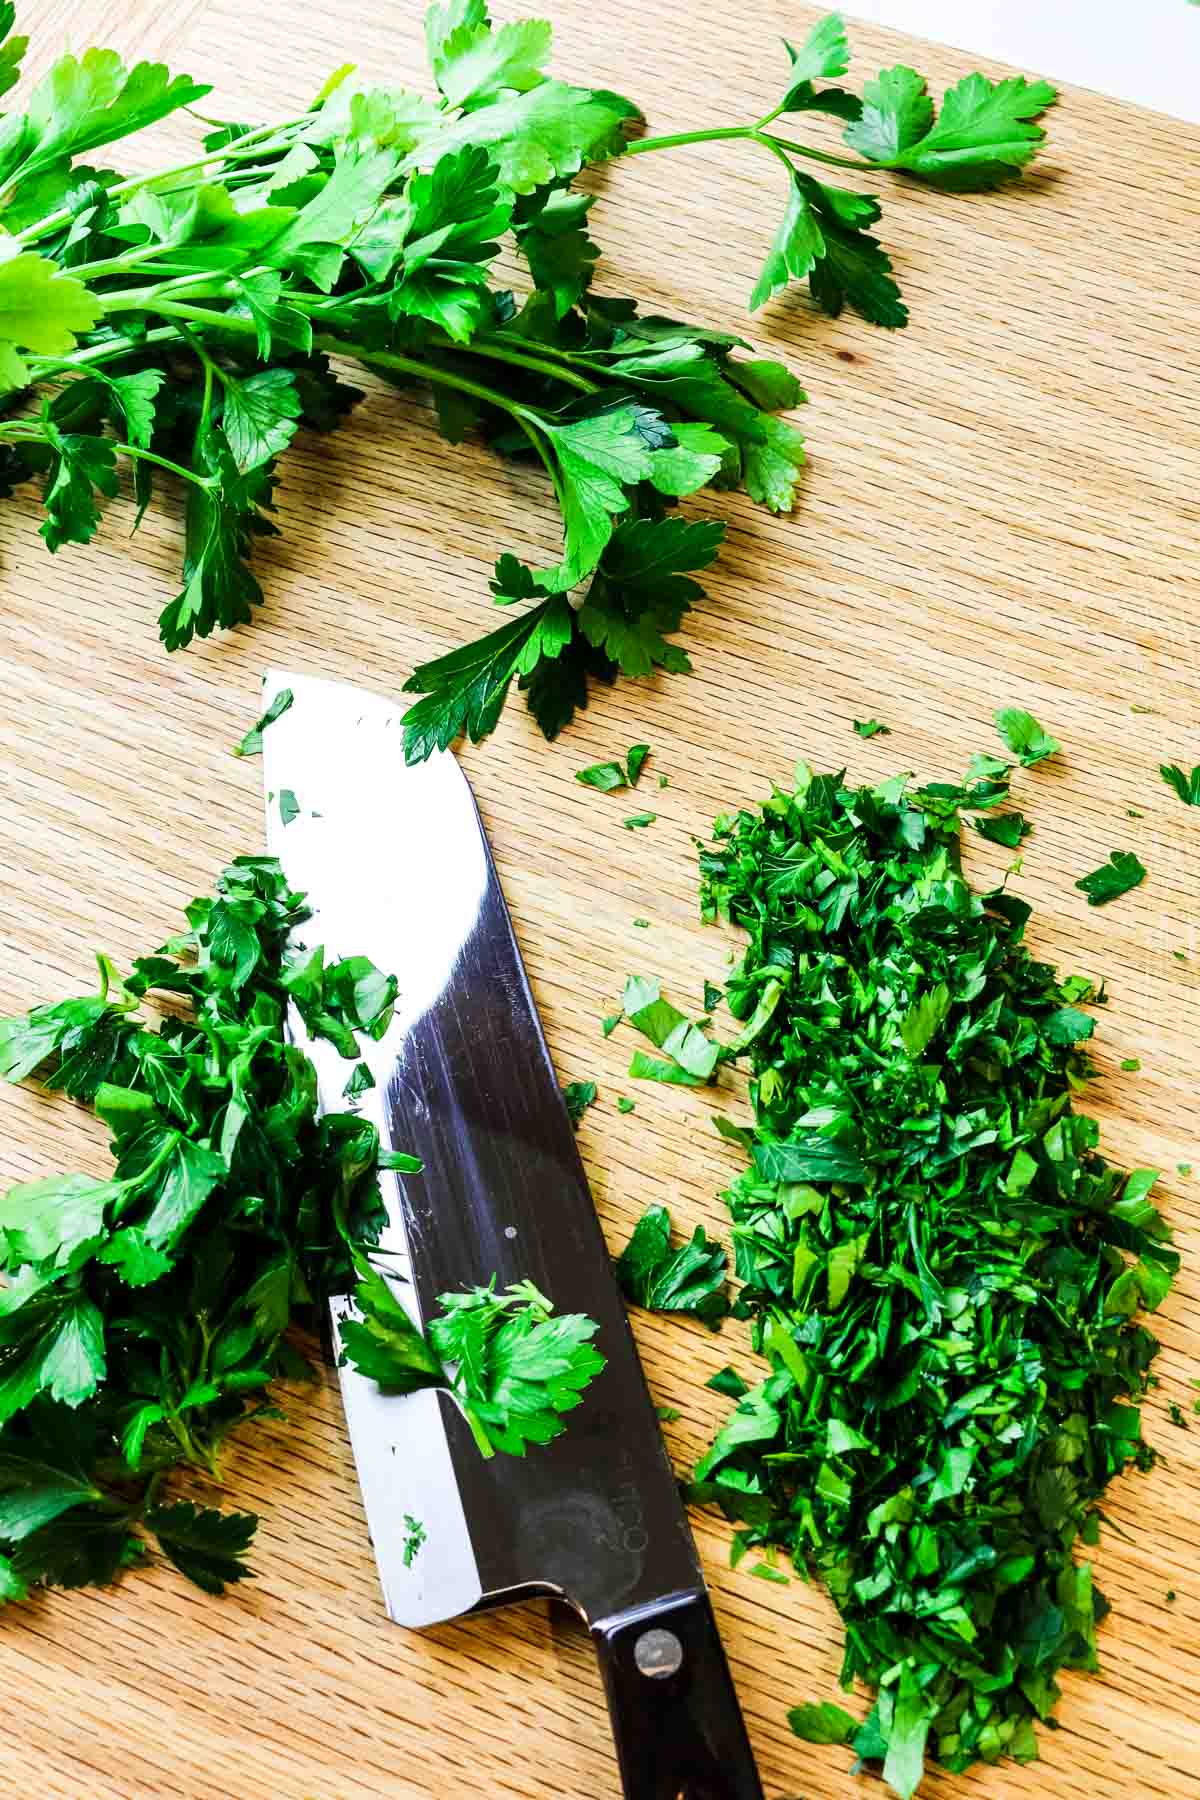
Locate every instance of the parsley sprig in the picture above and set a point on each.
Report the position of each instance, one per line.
(143, 1316)
(941, 1272)
(182, 322)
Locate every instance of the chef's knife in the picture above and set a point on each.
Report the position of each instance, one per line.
(396, 866)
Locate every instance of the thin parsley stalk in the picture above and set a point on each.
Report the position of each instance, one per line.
(942, 1274)
(144, 1316)
(185, 320)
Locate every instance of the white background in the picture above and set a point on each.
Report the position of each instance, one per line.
(1142, 50)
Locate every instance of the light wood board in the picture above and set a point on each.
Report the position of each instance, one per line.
(1001, 509)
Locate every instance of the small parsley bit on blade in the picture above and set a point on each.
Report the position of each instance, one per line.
(251, 744)
(415, 1536)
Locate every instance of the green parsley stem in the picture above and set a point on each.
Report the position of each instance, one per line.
(163, 462)
(493, 347)
(384, 359)
(119, 265)
(821, 156)
(674, 140)
(753, 134)
(411, 365)
(41, 368)
(536, 439)
(28, 432)
(251, 143)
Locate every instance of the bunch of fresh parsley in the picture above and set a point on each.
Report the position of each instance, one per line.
(940, 1269)
(143, 1316)
(183, 321)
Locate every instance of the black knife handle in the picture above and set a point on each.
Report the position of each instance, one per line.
(675, 1716)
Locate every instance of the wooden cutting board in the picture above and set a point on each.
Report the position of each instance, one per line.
(1001, 508)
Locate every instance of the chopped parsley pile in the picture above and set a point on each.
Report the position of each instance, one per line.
(180, 322)
(939, 1268)
(143, 1316)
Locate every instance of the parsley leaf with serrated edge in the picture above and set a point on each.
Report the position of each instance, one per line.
(368, 227)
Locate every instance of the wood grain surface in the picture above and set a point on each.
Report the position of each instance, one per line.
(1001, 508)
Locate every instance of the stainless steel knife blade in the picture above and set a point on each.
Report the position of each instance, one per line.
(396, 866)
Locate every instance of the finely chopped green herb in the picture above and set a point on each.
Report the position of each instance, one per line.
(939, 1268)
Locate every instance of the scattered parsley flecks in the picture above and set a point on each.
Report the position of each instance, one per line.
(607, 776)
(639, 821)
(579, 1095)
(146, 1315)
(641, 924)
(415, 1536)
(1176, 1416)
(869, 728)
(690, 1279)
(1006, 828)
(1183, 1168)
(670, 1415)
(941, 1271)
(360, 1082)
(768, 1572)
(635, 758)
(624, 1104)
(1185, 785)
(609, 1025)
(1131, 1064)
(1026, 739)
(664, 781)
(289, 806)
(251, 744)
(690, 1058)
(1119, 875)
